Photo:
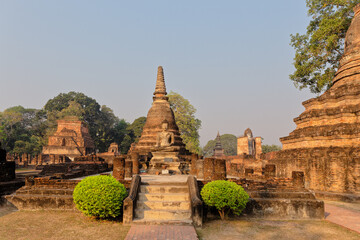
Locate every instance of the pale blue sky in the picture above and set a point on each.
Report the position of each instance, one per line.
(231, 59)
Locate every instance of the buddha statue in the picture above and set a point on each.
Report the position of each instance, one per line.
(165, 138)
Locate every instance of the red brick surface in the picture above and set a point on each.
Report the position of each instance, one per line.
(343, 217)
(161, 232)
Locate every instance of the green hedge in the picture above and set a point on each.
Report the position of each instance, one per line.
(100, 196)
(225, 196)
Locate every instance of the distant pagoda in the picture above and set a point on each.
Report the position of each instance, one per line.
(218, 149)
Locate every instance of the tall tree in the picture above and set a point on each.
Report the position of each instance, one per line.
(22, 130)
(185, 118)
(319, 50)
(228, 142)
(136, 128)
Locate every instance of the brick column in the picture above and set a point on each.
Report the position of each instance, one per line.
(40, 159)
(128, 169)
(135, 163)
(119, 168)
(193, 170)
(52, 159)
(200, 169)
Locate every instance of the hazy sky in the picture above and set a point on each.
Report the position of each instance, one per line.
(230, 59)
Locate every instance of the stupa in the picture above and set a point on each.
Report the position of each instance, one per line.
(333, 118)
(160, 135)
(218, 149)
(325, 145)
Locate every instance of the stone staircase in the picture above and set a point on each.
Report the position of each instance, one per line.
(163, 203)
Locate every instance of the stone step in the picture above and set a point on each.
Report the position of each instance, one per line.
(148, 215)
(35, 201)
(163, 205)
(45, 191)
(184, 222)
(163, 197)
(161, 183)
(163, 189)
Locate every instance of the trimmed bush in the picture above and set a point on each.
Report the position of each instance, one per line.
(100, 196)
(225, 196)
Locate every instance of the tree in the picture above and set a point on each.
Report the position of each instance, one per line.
(270, 148)
(228, 142)
(318, 51)
(136, 128)
(185, 118)
(22, 130)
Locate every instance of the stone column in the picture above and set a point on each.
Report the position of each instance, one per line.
(128, 168)
(135, 163)
(119, 168)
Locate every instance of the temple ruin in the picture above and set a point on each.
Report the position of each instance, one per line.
(160, 137)
(71, 139)
(249, 145)
(325, 146)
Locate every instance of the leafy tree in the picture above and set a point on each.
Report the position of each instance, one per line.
(136, 128)
(270, 148)
(22, 130)
(228, 142)
(319, 50)
(185, 118)
(126, 144)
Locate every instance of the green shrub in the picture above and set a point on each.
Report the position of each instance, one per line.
(225, 196)
(100, 196)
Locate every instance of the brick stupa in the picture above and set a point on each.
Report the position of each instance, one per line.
(333, 118)
(159, 112)
(325, 146)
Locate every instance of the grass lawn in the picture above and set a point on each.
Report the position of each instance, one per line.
(73, 225)
(58, 225)
(277, 230)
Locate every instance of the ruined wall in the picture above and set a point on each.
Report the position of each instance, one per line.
(333, 169)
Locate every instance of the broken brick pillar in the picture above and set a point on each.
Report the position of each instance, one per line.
(193, 170)
(119, 168)
(128, 168)
(40, 159)
(135, 163)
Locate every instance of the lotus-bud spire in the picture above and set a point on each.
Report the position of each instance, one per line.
(160, 88)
